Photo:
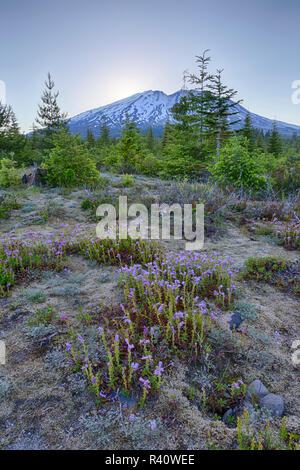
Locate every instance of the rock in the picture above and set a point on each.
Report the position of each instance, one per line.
(292, 424)
(229, 415)
(235, 321)
(256, 391)
(273, 403)
(124, 400)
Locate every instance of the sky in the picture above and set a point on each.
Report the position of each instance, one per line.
(101, 51)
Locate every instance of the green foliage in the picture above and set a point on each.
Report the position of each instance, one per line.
(69, 163)
(8, 203)
(246, 310)
(262, 269)
(264, 439)
(43, 316)
(127, 180)
(236, 166)
(275, 142)
(9, 174)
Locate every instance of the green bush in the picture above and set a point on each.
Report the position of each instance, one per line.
(127, 180)
(69, 163)
(8, 203)
(237, 166)
(9, 175)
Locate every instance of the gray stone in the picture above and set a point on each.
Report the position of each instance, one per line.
(124, 400)
(273, 403)
(256, 391)
(231, 413)
(235, 321)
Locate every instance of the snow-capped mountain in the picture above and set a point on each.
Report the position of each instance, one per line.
(153, 108)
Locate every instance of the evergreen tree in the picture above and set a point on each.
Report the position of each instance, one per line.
(90, 139)
(150, 140)
(201, 102)
(166, 137)
(104, 137)
(275, 142)
(12, 142)
(259, 142)
(129, 148)
(221, 119)
(248, 132)
(49, 115)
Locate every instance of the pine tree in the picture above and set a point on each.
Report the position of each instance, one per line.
(11, 140)
(248, 132)
(49, 115)
(221, 119)
(150, 139)
(275, 142)
(129, 148)
(104, 137)
(201, 102)
(166, 137)
(90, 139)
(259, 142)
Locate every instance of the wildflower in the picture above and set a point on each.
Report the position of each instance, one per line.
(158, 371)
(147, 357)
(80, 338)
(145, 382)
(132, 418)
(153, 424)
(68, 346)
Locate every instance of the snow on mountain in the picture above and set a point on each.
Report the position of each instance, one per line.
(153, 108)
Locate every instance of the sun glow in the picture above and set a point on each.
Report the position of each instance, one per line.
(126, 86)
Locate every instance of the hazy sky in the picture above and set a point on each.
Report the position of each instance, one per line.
(100, 51)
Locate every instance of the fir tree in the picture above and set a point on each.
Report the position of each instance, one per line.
(150, 139)
(129, 148)
(49, 115)
(90, 139)
(201, 102)
(221, 119)
(275, 142)
(248, 132)
(104, 137)
(166, 137)
(259, 142)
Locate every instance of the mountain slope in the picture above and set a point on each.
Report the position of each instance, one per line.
(152, 108)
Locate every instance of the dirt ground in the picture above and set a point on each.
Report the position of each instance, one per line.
(44, 406)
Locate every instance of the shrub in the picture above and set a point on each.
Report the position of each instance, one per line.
(42, 317)
(262, 269)
(9, 175)
(7, 204)
(127, 180)
(69, 163)
(238, 167)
